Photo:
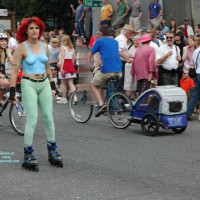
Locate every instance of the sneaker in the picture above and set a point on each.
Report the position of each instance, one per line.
(62, 101)
(58, 98)
(189, 118)
(75, 100)
(101, 110)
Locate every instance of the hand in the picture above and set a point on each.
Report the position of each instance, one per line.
(129, 60)
(133, 80)
(169, 53)
(53, 94)
(178, 58)
(2, 76)
(13, 101)
(150, 77)
(71, 6)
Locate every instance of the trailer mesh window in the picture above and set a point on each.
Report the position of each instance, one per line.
(175, 106)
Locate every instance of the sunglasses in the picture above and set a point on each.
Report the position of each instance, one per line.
(54, 42)
(169, 38)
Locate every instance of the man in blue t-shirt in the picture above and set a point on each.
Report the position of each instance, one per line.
(155, 13)
(108, 49)
(79, 18)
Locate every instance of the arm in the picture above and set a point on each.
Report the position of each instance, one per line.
(47, 66)
(73, 10)
(118, 2)
(139, 16)
(125, 57)
(185, 52)
(111, 12)
(163, 58)
(82, 16)
(127, 10)
(152, 64)
(62, 56)
(160, 13)
(19, 54)
(9, 56)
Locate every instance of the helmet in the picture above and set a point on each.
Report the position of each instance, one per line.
(3, 36)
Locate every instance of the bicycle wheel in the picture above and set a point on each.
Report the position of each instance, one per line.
(119, 106)
(80, 107)
(17, 117)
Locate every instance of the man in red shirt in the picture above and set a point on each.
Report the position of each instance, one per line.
(186, 82)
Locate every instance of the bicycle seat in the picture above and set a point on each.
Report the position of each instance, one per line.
(114, 78)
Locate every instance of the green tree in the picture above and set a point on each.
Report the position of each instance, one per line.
(44, 9)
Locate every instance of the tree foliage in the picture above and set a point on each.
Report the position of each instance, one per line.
(45, 9)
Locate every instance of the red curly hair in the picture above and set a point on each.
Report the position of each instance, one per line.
(21, 34)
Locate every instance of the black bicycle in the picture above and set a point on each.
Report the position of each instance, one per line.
(16, 113)
(118, 107)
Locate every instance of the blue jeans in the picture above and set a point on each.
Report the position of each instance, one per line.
(80, 28)
(195, 96)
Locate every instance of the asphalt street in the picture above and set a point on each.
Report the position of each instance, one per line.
(102, 162)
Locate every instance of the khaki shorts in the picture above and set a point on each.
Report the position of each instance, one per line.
(101, 79)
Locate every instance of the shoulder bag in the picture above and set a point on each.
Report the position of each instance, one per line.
(192, 71)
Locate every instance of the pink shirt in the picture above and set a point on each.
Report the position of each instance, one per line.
(144, 63)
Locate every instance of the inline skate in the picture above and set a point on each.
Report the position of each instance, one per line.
(54, 158)
(30, 161)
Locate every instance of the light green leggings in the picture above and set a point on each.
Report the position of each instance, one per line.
(34, 94)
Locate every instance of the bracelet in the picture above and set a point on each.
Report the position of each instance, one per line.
(53, 85)
(12, 93)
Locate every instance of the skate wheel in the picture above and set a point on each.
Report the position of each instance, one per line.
(33, 168)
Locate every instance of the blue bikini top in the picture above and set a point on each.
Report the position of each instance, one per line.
(34, 63)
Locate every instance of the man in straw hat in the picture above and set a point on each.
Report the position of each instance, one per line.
(122, 40)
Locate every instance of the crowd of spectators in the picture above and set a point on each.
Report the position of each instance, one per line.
(159, 54)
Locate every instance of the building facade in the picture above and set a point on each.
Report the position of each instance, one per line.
(172, 9)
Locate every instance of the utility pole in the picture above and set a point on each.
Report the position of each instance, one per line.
(192, 12)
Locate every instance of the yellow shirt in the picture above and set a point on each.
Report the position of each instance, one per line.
(105, 12)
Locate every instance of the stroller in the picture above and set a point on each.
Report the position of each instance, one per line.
(162, 106)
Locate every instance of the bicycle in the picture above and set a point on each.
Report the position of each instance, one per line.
(16, 113)
(118, 107)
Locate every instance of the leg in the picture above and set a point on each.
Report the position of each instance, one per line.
(127, 78)
(4, 84)
(29, 98)
(64, 92)
(46, 106)
(71, 85)
(131, 22)
(119, 22)
(45, 102)
(30, 162)
(82, 28)
(136, 24)
(195, 96)
(54, 158)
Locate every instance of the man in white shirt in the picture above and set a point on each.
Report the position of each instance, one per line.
(125, 57)
(167, 59)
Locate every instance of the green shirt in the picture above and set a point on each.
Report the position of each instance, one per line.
(121, 9)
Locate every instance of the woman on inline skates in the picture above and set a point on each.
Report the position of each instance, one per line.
(36, 86)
